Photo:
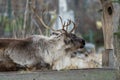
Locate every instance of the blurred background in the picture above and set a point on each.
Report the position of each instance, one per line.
(17, 20)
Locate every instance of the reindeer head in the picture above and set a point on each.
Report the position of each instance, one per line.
(69, 40)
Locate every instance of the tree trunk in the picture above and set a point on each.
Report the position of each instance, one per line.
(107, 22)
(25, 18)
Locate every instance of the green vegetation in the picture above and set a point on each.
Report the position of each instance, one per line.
(118, 32)
(118, 1)
(10, 25)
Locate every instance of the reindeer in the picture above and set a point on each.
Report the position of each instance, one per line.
(41, 50)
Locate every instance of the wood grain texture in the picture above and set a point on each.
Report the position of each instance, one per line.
(107, 23)
(85, 74)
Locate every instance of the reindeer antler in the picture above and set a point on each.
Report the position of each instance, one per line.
(67, 24)
(74, 27)
(63, 24)
(41, 20)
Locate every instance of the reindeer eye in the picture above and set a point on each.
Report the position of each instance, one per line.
(55, 33)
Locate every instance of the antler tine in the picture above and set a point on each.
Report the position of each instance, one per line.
(68, 23)
(74, 27)
(63, 24)
(41, 20)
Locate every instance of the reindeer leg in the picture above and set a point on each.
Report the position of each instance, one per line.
(9, 66)
(43, 66)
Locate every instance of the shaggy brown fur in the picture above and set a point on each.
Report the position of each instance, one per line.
(39, 49)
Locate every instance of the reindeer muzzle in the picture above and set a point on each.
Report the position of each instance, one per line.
(82, 43)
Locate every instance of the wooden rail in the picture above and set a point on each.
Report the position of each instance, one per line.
(83, 74)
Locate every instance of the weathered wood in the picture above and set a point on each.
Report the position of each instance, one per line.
(116, 21)
(105, 59)
(85, 74)
(108, 32)
(108, 59)
(112, 59)
(117, 53)
(107, 23)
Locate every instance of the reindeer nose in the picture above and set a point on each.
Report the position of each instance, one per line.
(83, 43)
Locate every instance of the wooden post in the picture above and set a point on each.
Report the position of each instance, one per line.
(117, 37)
(107, 31)
(117, 52)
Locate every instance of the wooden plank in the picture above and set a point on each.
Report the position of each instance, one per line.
(84, 74)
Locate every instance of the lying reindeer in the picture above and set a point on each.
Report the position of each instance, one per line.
(40, 50)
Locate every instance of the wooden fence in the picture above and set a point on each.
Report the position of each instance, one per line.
(83, 74)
